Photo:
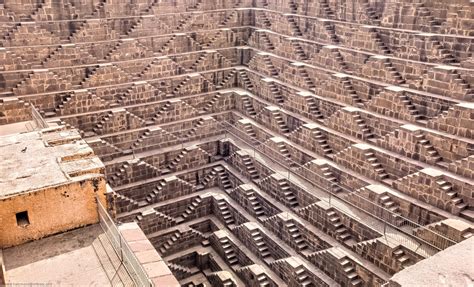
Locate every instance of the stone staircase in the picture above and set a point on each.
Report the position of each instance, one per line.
(432, 154)
(327, 11)
(350, 272)
(293, 6)
(450, 193)
(372, 159)
(302, 277)
(61, 105)
(194, 129)
(255, 204)
(227, 79)
(143, 136)
(281, 146)
(321, 139)
(99, 9)
(262, 279)
(170, 242)
(276, 93)
(246, 81)
(167, 44)
(213, 39)
(412, 110)
(208, 107)
(289, 197)
(356, 100)
(260, 244)
(148, 68)
(161, 217)
(371, 13)
(184, 23)
(207, 179)
(280, 122)
(229, 17)
(392, 71)
(266, 41)
(363, 127)
(382, 48)
(152, 196)
(248, 106)
(119, 174)
(401, 257)
(331, 179)
(445, 54)
(182, 272)
(269, 65)
(154, 169)
(313, 109)
(195, 65)
(224, 179)
(340, 231)
(299, 51)
(223, 207)
(163, 110)
(304, 75)
(395, 215)
(249, 130)
(249, 167)
(176, 160)
(463, 84)
(133, 28)
(230, 255)
(191, 208)
(264, 19)
(108, 144)
(196, 6)
(124, 203)
(339, 59)
(294, 26)
(180, 85)
(331, 32)
(296, 236)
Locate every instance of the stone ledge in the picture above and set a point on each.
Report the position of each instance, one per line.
(147, 256)
(455, 270)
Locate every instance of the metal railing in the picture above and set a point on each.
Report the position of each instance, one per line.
(122, 249)
(379, 212)
(388, 219)
(37, 118)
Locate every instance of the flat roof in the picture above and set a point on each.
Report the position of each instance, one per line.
(16, 128)
(66, 259)
(36, 160)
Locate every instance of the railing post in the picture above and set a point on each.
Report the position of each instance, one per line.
(121, 248)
